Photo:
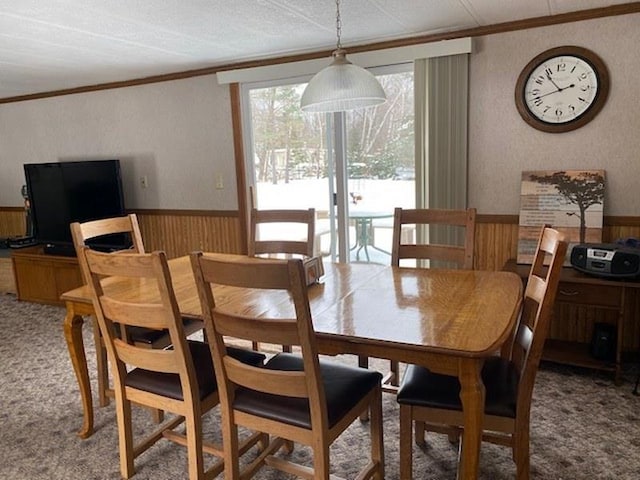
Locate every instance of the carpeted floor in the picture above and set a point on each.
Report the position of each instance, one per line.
(583, 426)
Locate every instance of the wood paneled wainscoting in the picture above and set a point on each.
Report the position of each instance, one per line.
(12, 222)
(496, 241)
(179, 232)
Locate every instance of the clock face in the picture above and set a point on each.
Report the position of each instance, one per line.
(562, 89)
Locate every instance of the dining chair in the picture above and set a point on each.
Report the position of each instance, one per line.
(278, 241)
(96, 231)
(295, 397)
(281, 244)
(179, 379)
(432, 399)
(420, 219)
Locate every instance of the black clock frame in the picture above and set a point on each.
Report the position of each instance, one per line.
(589, 57)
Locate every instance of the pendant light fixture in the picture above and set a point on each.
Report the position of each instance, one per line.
(342, 85)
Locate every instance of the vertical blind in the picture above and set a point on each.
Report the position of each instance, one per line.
(441, 112)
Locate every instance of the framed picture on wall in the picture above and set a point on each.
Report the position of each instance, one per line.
(572, 201)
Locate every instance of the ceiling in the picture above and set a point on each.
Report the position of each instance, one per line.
(60, 44)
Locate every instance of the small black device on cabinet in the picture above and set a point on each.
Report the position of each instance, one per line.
(603, 342)
(610, 260)
(21, 242)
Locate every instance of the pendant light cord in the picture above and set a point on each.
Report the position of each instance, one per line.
(338, 25)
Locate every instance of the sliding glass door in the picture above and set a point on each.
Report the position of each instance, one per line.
(352, 167)
(380, 165)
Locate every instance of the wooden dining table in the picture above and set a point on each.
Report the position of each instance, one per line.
(447, 320)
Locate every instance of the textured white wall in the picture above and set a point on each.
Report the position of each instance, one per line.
(178, 134)
(502, 145)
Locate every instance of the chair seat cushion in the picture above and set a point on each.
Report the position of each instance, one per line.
(421, 387)
(168, 384)
(344, 387)
(160, 338)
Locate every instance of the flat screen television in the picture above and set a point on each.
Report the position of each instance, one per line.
(64, 192)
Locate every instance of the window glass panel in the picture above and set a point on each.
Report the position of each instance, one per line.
(290, 160)
(381, 166)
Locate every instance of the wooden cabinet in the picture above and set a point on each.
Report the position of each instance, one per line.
(43, 278)
(7, 280)
(569, 340)
(598, 295)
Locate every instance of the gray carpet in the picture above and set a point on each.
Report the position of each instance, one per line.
(583, 426)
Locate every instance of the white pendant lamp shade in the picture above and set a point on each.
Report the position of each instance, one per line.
(341, 86)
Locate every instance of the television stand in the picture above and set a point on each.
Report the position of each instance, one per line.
(41, 277)
(59, 250)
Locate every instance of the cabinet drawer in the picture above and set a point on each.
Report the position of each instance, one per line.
(596, 295)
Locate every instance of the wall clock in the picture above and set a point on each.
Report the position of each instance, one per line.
(562, 89)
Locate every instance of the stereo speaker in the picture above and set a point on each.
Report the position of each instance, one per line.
(603, 342)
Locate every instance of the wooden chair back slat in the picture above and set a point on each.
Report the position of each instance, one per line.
(236, 272)
(265, 330)
(107, 226)
(290, 247)
(137, 267)
(284, 216)
(435, 216)
(151, 315)
(290, 384)
(155, 360)
(445, 253)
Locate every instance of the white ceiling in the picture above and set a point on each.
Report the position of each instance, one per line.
(48, 45)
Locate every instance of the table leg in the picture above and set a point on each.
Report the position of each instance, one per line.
(472, 395)
(356, 243)
(101, 364)
(365, 238)
(361, 237)
(73, 334)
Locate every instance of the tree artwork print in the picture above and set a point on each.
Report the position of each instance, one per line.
(570, 200)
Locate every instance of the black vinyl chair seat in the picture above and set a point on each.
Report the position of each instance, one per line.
(421, 387)
(344, 387)
(168, 384)
(150, 336)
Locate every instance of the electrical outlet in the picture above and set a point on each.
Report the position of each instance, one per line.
(144, 182)
(219, 181)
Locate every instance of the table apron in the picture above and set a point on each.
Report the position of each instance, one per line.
(442, 363)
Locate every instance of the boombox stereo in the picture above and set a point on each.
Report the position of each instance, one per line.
(606, 260)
